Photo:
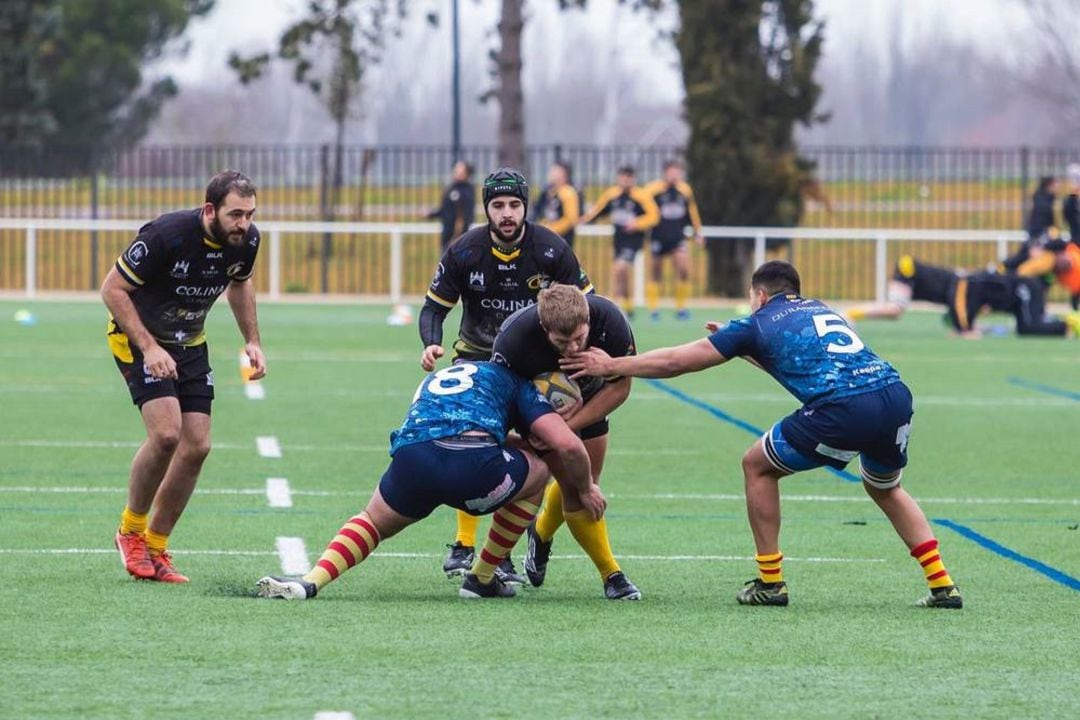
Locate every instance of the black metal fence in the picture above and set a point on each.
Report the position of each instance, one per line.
(858, 186)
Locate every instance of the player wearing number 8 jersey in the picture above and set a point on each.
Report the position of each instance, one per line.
(854, 404)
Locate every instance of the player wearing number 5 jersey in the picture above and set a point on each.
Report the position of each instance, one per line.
(452, 449)
(854, 404)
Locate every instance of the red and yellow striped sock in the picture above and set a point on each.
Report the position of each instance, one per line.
(769, 567)
(354, 542)
(156, 543)
(551, 519)
(508, 523)
(466, 528)
(929, 558)
(132, 522)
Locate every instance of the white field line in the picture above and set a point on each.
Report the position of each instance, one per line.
(268, 446)
(334, 715)
(715, 497)
(302, 551)
(278, 493)
(293, 555)
(255, 390)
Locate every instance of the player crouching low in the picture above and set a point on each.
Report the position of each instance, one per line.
(452, 449)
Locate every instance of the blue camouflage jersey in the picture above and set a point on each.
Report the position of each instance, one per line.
(808, 348)
(469, 396)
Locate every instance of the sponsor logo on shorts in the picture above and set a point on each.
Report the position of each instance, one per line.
(493, 498)
(148, 378)
(836, 454)
(210, 379)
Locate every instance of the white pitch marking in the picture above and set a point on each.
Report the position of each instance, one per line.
(334, 715)
(268, 446)
(255, 390)
(293, 554)
(278, 493)
(110, 551)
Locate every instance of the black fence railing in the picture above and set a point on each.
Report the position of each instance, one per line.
(906, 187)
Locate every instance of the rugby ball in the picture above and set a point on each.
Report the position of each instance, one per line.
(558, 388)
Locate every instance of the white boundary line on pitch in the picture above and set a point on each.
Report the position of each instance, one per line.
(293, 555)
(268, 446)
(721, 497)
(334, 715)
(302, 551)
(278, 493)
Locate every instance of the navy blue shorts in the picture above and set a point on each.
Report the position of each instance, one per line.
(468, 473)
(874, 425)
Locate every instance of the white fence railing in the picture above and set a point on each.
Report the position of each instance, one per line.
(272, 232)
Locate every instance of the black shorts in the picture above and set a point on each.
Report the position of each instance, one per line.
(193, 387)
(660, 246)
(473, 474)
(627, 248)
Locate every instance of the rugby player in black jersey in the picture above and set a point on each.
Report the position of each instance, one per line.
(494, 270)
(158, 295)
(530, 342)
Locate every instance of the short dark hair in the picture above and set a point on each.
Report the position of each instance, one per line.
(1045, 182)
(228, 181)
(469, 169)
(567, 168)
(775, 277)
(626, 170)
(674, 163)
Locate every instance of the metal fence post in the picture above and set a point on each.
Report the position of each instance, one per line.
(880, 258)
(31, 261)
(395, 267)
(275, 264)
(759, 250)
(1025, 170)
(1002, 248)
(94, 241)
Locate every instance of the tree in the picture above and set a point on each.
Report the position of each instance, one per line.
(507, 60)
(749, 79)
(71, 71)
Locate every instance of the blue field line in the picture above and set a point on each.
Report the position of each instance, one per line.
(741, 424)
(998, 549)
(1048, 389)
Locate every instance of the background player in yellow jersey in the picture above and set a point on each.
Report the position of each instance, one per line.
(678, 212)
(633, 213)
(558, 206)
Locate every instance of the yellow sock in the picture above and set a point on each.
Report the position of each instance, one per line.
(627, 305)
(929, 558)
(508, 523)
(132, 522)
(682, 294)
(353, 543)
(551, 519)
(769, 569)
(652, 295)
(156, 543)
(466, 528)
(592, 536)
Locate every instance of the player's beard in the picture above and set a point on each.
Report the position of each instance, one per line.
(221, 236)
(505, 238)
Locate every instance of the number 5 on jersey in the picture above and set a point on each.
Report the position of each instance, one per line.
(832, 324)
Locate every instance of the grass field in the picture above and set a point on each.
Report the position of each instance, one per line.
(992, 452)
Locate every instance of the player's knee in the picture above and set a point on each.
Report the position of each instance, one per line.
(197, 448)
(165, 439)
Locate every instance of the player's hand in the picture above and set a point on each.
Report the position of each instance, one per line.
(537, 444)
(714, 325)
(159, 363)
(593, 361)
(430, 355)
(258, 361)
(594, 502)
(700, 240)
(569, 410)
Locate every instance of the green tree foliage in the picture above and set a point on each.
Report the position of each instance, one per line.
(748, 67)
(71, 74)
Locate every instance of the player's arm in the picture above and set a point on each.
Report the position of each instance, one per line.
(441, 297)
(650, 213)
(241, 297)
(116, 293)
(695, 215)
(660, 363)
(601, 207)
(570, 211)
(573, 460)
(606, 401)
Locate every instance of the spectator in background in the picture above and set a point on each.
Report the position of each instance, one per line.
(458, 204)
(559, 204)
(1041, 218)
(1071, 211)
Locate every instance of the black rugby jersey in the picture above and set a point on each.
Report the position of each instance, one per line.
(929, 283)
(493, 285)
(625, 206)
(558, 209)
(179, 272)
(678, 209)
(523, 347)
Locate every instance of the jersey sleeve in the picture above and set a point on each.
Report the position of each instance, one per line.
(691, 206)
(738, 337)
(568, 271)
(144, 257)
(570, 211)
(511, 347)
(247, 265)
(444, 289)
(602, 205)
(530, 404)
(650, 213)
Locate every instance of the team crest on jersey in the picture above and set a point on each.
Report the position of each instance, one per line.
(549, 253)
(439, 270)
(180, 269)
(538, 282)
(476, 279)
(137, 252)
